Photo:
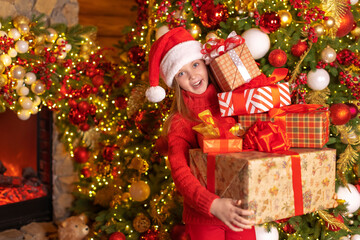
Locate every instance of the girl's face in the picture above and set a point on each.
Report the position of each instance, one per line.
(193, 77)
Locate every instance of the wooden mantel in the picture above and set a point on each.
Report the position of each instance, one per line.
(109, 16)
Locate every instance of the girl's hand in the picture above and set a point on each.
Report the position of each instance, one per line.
(229, 211)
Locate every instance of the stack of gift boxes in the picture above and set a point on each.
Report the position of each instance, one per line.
(279, 168)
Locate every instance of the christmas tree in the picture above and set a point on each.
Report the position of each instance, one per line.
(114, 134)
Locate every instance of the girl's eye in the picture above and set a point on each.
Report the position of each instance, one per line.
(195, 65)
(180, 74)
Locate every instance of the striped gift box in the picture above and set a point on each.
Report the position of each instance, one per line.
(256, 100)
(305, 130)
(227, 73)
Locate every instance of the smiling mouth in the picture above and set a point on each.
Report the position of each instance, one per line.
(196, 84)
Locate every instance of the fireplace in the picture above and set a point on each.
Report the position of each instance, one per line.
(25, 169)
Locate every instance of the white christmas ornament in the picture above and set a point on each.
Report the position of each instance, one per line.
(344, 238)
(60, 41)
(14, 34)
(21, 46)
(318, 80)
(34, 110)
(6, 59)
(355, 237)
(37, 101)
(12, 52)
(30, 78)
(161, 31)
(23, 91)
(263, 234)
(23, 114)
(351, 198)
(353, 2)
(257, 41)
(68, 47)
(25, 103)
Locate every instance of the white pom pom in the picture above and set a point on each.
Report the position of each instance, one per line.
(155, 94)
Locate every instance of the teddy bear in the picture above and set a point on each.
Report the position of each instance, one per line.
(73, 228)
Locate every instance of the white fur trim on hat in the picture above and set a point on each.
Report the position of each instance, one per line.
(155, 94)
(177, 57)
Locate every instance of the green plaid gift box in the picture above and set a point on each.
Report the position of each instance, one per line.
(305, 130)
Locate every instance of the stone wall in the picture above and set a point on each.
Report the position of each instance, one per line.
(56, 11)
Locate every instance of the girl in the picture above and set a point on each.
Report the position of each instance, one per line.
(177, 58)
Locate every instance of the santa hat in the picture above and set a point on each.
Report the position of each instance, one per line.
(167, 56)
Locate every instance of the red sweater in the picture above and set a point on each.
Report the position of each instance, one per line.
(181, 137)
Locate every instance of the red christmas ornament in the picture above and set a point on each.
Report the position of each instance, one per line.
(147, 122)
(333, 227)
(211, 15)
(298, 49)
(277, 58)
(84, 127)
(72, 103)
(178, 233)
(353, 109)
(92, 109)
(81, 154)
(117, 236)
(97, 81)
(346, 24)
(339, 113)
(109, 152)
(269, 22)
(75, 117)
(83, 107)
(136, 55)
(288, 228)
(120, 102)
(151, 234)
(161, 146)
(85, 171)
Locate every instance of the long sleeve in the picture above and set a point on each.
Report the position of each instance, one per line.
(182, 138)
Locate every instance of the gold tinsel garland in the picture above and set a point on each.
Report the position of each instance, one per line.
(335, 9)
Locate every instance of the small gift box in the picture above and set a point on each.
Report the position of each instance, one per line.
(306, 125)
(260, 95)
(275, 186)
(212, 138)
(230, 61)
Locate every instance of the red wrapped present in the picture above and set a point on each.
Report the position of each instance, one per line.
(259, 95)
(212, 138)
(306, 125)
(273, 185)
(230, 61)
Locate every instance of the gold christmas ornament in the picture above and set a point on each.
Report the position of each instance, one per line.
(139, 164)
(139, 191)
(3, 80)
(51, 36)
(2, 67)
(23, 28)
(330, 22)
(195, 30)
(125, 197)
(180, 14)
(39, 50)
(38, 87)
(319, 29)
(40, 39)
(20, 20)
(141, 223)
(356, 32)
(211, 35)
(285, 18)
(17, 72)
(328, 55)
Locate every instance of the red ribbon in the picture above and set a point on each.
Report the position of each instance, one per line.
(296, 182)
(215, 44)
(266, 137)
(210, 174)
